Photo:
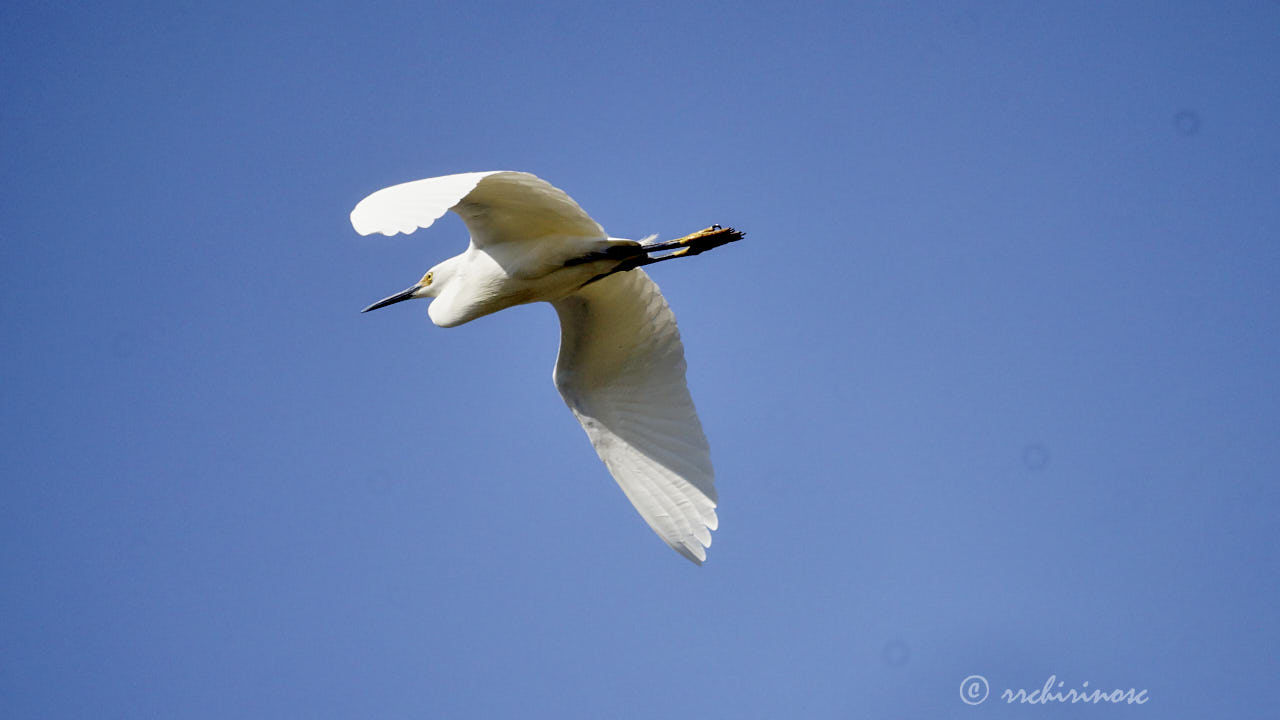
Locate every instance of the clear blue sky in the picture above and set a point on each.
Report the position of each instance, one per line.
(993, 386)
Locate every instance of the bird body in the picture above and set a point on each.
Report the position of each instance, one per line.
(485, 280)
(620, 368)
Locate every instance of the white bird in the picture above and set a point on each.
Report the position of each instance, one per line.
(621, 366)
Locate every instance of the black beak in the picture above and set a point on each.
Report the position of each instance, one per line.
(398, 297)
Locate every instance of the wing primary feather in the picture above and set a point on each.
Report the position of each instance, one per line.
(496, 205)
(408, 206)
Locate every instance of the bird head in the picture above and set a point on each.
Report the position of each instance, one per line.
(424, 288)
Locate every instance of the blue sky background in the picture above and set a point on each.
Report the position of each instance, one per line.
(992, 388)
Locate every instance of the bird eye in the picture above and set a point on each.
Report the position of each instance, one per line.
(426, 280)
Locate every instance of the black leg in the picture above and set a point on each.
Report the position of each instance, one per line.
(634, 256)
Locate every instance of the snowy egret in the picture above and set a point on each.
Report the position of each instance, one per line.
(620, 368)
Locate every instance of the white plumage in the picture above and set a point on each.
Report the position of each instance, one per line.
(621, 366)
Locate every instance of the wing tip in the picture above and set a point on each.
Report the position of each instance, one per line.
(693, 548)
(696, 558)
(364, 224)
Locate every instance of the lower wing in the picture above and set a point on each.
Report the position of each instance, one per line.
(621, 370)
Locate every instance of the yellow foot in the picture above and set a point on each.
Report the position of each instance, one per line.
(705, 239)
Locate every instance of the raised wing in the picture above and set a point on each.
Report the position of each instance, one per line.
(497, 206)
(408, 206)
(621, 370)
